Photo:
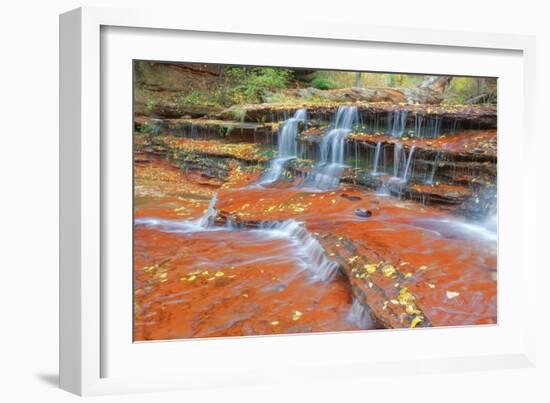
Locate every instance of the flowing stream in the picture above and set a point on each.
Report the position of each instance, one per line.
(305, 247)
(267, 272)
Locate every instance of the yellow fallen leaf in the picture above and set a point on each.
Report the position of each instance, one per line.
(296, 315)
(405, 297)
(388, 270)
(412, 310)
(219, 274)
(370, 268)
(452, 294)
(417, 319)
(191, 278)
(275, 322)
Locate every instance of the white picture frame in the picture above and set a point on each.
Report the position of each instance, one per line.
(88, 335)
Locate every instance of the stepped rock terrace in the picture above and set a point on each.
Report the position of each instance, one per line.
(312, 216)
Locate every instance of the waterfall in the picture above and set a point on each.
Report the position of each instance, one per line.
(418, 120)
(433, 128)
(397, 148)
(326, 174)
(376, 158)
(430, 180)
(405, 176)
(397, 123)
(287, 147)
(207, 220)
(426, 126)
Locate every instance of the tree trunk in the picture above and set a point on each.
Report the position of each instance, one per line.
(480, 86)
(358, 79)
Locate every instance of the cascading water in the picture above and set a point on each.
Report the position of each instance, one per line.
(207, 220)
(360, 315)
(397, 148)
(287, 147)
(397, 123)
(326, 174)
(406, 172)
(430, 179)
(399, 155)
(310, 251)
(418, 121)
(307, 249)
(376, 158)
(433, 127)
(203, 223)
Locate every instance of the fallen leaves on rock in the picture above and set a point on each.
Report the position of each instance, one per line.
(297, 315)
(452, 294)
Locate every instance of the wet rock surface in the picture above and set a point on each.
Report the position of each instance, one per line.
(410, 225)
(474, 116)
(211, 129)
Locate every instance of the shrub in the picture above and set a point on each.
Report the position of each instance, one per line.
(321, 83)
(194, 98)
(150, 105)
(150, 129)
(251, 83)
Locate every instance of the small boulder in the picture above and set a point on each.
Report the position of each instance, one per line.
(360, 212)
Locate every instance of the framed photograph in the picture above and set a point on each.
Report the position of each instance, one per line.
(237, 197)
